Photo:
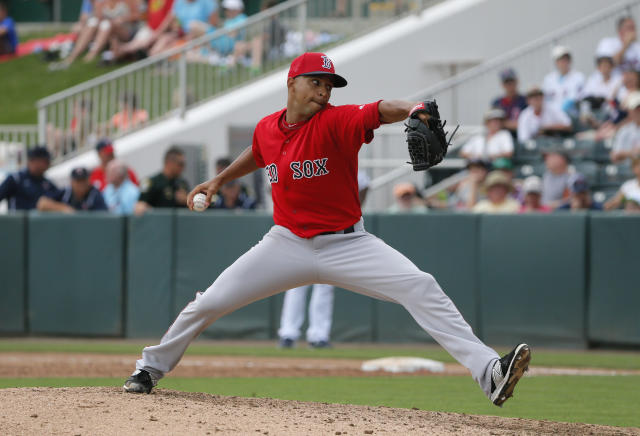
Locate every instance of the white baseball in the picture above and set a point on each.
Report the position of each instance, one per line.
(199, 202)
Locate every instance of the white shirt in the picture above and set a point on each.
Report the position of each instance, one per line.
(558, 89)
(628, 138)
(612, 46)
(631, 190)
(479, 148)
(597, 87)
(529, 124)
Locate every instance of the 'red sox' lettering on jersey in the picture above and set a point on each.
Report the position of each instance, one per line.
(313, 168)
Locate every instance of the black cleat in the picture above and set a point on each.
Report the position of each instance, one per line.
(507, 372)
(286, 343)
(140, 382)
(320, 344)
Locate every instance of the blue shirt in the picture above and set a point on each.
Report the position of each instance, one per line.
(87, 7)
(121, 200)
(92, 201)
(224, 44)
(11, 34)
(197, 10)
(23, 190)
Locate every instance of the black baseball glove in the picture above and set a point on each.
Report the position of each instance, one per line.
(427, 143)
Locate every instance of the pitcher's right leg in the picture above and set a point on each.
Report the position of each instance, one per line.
(280, 261)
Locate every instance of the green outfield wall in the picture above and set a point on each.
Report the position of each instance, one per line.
(560, 279)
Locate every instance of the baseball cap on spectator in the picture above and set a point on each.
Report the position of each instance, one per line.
(502, 164)
(403, 189)
(312, 64)
(578, 184)
(633, 100)
(532, 185)
(39, 152)
(234, 5)
(105, 145)
(534, 91)
(559, 51)
(497, 178)
(494, 114)
(79, 173)
(508, 74)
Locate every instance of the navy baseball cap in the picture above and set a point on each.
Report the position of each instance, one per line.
(579, 184)
(508, 74)
(39, 152)
(315, 64)
(79, 174)
(104, 144)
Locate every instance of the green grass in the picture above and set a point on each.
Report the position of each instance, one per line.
(579, 359)
(27, 79)
(595, 400)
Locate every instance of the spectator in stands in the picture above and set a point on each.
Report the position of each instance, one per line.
(623, 48)
(266, 45)
(563, 86)
(86, 11)
(532, 191)
(167, 188)
(556, 179)
(540, 118)
(407, 200)
(106, 154)
(232, 197)
(498, 187)
(618, 112)
(188, 16)
(234, 17)
(599, 89)
(580, 195)
(77, 134)
(629, 193)
(121, 194)
(512, 103)
(159, 20)
(23, 189)
(119, 20)
(130, 115)
(627, 142)
(8, 35)
(80, 196)
(494, 143)
(471, 188)
(86, 32)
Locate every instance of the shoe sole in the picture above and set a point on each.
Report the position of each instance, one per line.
(136, 390)
(517, 367)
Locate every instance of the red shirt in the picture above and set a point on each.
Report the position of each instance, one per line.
(99, 180)
(313, 167)
(157, 11)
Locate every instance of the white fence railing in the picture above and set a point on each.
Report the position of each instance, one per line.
(171, 82)
(14, 142)
(464, 97)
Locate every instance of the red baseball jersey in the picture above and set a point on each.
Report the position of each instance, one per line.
(313, 166)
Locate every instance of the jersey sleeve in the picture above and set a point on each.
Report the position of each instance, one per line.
(8, 187)
(255, 149)
(356, 123)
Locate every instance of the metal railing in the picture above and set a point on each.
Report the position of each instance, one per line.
(14, 142)
(464, 97)
(204, 67)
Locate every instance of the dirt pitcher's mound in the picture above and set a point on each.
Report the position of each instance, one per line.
(109, 411)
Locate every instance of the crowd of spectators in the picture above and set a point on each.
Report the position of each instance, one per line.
(601, 108)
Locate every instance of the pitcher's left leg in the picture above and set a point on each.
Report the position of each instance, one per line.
(363, 263)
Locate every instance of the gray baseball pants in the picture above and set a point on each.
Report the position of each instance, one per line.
(357, 261)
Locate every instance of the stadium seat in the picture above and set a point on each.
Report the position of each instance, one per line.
(579, 149)
(613, 175)
(533, 169)
(588, 169)
(601, 151)
(527, 152)
(603, 193)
